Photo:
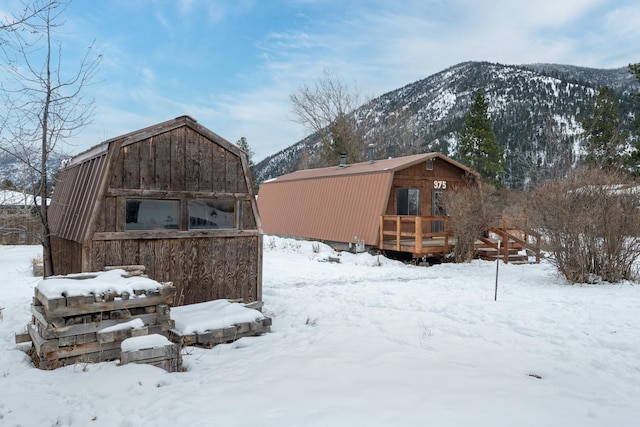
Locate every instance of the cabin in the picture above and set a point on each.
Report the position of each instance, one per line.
(392, 205)
(19, 218)
(175, 198)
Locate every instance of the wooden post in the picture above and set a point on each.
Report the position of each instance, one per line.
(398, 228)
(418, 231)
(505, 239)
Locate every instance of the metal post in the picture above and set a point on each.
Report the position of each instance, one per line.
(495, 296)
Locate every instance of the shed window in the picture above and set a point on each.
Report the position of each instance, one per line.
(148, 214)
(212, 214)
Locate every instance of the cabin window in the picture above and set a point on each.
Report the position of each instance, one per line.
(149, 214)
(212, 214)
(429, 165)
(408, 201)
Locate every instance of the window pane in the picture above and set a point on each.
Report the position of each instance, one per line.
(144, 214)
(403, 203)
(408, 201)
(414, 201)
(212, 214)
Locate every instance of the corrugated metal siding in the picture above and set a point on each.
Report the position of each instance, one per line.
(378, 166)
(333, 208)
(74, 197)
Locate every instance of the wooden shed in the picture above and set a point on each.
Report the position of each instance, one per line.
(174, 197)
(393, 204)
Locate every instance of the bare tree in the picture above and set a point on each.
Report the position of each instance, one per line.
(471, 211)
(43, 98)
(590, 223)
(395, 134)
(325, 109)
(22, 19)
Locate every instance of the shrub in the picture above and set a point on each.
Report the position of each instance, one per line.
(591, 224)
(471, 209)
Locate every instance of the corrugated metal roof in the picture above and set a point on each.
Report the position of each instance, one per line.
(335, 208)
(378, 166)
(334, 203)
(75, 196)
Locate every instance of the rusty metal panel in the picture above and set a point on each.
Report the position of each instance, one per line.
(75, 195)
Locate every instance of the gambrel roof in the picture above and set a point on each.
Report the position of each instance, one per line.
(83, 180)
(337, 203)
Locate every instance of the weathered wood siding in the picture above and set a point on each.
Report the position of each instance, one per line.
(178, 160)
(201, 269)
(67, 257)
(418, 176)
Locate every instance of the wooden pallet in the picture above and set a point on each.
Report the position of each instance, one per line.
(70, 329)
(167, 357)
(211, 338)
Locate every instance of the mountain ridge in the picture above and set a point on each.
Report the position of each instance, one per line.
(535, 111)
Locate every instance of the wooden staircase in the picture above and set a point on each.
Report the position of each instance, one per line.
(511, 245)
(514, 256)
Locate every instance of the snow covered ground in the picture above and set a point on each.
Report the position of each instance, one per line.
(363, 342)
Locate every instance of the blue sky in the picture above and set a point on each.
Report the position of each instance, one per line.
(232, 64)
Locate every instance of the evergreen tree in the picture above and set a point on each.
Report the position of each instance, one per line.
(243, 144)
(633, 160)
(478, 148)
(605, 135)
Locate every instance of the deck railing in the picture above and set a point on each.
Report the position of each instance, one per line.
(415, 234)
(430, 235)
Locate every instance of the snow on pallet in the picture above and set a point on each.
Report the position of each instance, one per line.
(85, 317)
(154, 350)
(92, 317)
(216, 322)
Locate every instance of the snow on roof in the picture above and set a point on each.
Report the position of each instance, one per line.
(210, 315)
(95, 283)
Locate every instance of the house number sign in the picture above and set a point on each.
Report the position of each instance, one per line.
(440, 185)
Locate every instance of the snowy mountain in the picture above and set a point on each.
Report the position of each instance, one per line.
(534, 108)
(14, 174)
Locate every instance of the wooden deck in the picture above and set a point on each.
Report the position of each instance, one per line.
(430, 236)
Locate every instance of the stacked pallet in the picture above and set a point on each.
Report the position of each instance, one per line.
(216, 322)
(89, 326)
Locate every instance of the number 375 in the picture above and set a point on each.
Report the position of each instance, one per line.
(440, 185)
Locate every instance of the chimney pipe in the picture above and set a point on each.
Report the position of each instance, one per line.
(343, 160)
(370, 153)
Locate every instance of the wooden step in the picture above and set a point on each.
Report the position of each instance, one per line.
(490, 254)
